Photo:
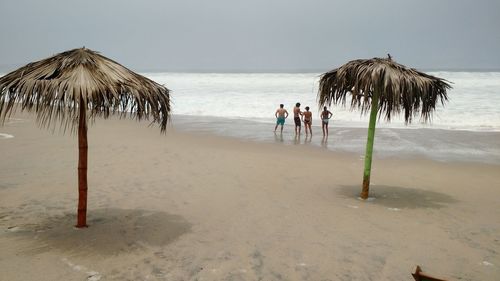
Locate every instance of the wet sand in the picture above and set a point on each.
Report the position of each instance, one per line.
(390, 140)
(193, 206)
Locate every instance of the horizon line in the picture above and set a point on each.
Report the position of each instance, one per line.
(5, 70)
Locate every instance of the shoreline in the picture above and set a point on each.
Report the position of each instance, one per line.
(435, 144)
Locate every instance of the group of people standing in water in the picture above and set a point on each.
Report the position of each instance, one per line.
(300, 117)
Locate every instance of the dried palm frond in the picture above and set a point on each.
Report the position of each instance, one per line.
(399, 88)
(55, 88)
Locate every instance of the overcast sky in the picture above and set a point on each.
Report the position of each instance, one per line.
(254, 35)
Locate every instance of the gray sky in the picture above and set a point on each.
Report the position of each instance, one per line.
(254, 35)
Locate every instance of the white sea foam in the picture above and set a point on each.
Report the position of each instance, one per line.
(473, 101)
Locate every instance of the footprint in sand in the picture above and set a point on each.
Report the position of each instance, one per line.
(5, 136)
(487, 263)
(13, 229)
(91, 275)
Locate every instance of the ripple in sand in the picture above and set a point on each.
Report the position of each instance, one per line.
(15, 121)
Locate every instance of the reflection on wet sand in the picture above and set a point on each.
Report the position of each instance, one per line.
(278, 137)
(308, 139)
(324, 142)
(296, 140)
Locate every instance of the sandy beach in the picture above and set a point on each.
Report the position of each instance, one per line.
(193, 206)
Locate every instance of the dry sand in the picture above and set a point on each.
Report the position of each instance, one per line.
(184, 206)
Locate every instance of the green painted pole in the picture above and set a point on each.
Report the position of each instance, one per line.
(369, 146)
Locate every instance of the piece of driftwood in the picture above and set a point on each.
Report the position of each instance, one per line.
(421, 276)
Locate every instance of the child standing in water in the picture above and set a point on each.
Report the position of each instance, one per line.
(307, 119)
(325, 117)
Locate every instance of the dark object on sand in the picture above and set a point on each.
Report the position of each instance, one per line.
(421, 276)
(382, 86)
(75, 87)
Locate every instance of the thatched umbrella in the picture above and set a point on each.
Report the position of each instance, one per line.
(382, 86)
(75, 87)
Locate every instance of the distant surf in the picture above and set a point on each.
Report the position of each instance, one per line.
(473, 104)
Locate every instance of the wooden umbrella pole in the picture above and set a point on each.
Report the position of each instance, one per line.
(82, 166)
(369, 146)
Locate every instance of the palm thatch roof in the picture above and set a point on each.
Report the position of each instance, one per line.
(56, 87)
(399, 88)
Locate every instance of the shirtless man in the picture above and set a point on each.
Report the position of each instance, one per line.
(307, 119)
(296, 118)
(281, 114)
(325, 117)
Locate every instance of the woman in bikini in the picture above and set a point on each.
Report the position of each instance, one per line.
(307, 119)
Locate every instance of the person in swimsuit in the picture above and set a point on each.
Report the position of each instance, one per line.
(307, 119)
(296, 118)
(325, 117)
(281, 114)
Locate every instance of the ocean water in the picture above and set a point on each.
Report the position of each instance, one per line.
(474, 103)
(242, 105)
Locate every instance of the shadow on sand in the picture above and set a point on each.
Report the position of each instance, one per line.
(400, 197)
(110, 232)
